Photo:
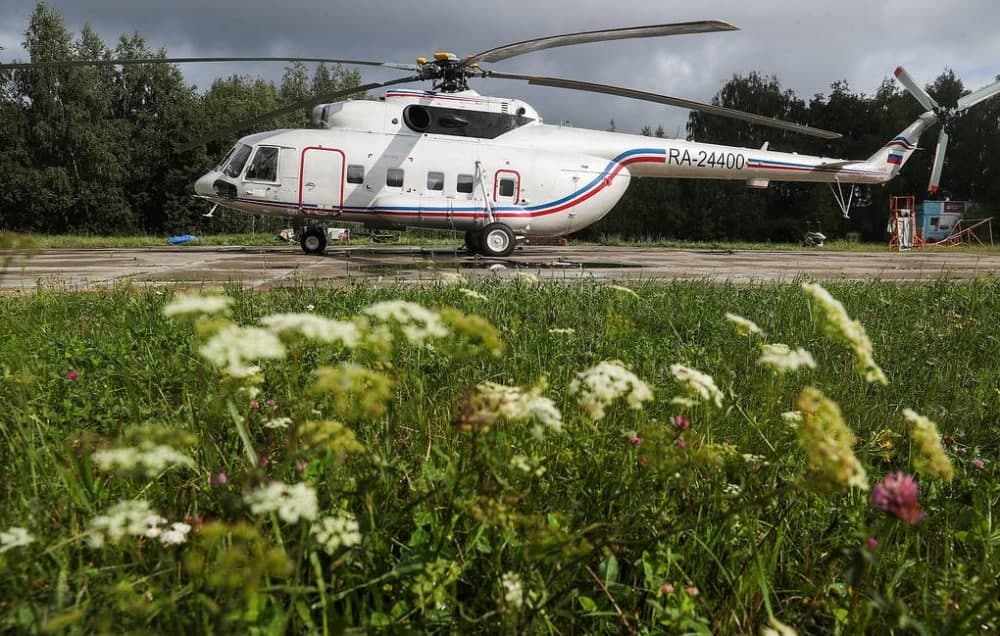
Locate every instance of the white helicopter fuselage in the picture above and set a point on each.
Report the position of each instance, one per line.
(463, 161)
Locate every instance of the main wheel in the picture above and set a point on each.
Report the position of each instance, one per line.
(473, 241)
(313, 240)
(497, 240)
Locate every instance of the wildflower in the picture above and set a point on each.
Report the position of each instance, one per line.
(451, 278)
(336, 531)
(527, 465)
(473, 327)
(930, 457)
(492, 401)
(233, 347)
(634, 440)
(315, 328)
(837, 324)
(310, 307)
(682, 423)
(777, 628)
(828, 443)
(292, 503)
(732, 489)
(278, 422)
(897, 494)
(254, 405)
(330, 435)
(72, 375)
(197, 304)
(471, 293)
(176, 535)
(564, 331)
(782, 358)
(218, 479)
(153, 523)
(699, 385)
(872, 543)
(357, 391)
(979, 463)
(743, 326)
(271, 403)
(513, 591)
(666, 588)
(417, 323)
(125, 518)
(148, 459)
(691, 590)
(680, 443)
(792, 417)
(624, 290)
(604, 383)
(525, 277)
(15, 537)
(754, 460)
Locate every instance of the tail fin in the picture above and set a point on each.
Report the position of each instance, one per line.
(891, 157)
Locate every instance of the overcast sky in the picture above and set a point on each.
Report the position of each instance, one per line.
(806, 44)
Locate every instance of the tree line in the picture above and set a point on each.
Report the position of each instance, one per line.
(92, 149)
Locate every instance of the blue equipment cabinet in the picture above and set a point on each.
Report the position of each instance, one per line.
(936, 220)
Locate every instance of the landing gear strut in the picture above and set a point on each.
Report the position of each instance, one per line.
(313, 240)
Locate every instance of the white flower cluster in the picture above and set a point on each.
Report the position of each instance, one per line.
(783, 358)
(604, 383)
(278, 422)
(416, 322)
(743, 326)
(196, 304)
(314, 327)
(450, 278)
(471, 293)
(513, 591)
(337, 531)
(15, 537)
(838, 324)
(149, 459)
(562, 331)
(527, 465)
(234, 348)
(514, 404)
(292, 503)
(134, 518)
(698, 384)
(792, 417)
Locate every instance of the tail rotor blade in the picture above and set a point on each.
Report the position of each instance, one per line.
(942, 148)
(915, 89)
(977, 96)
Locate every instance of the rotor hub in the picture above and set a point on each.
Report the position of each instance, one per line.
(449, 73)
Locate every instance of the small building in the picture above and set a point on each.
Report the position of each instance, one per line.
(936, 220)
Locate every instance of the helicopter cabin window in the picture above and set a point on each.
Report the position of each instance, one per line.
(507, 186)
(235, 165)
(464, 184)
(264, 166)
(435, 181)
(394, 178)
(355, 174)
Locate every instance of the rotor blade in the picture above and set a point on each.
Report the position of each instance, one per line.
(192, 60)
(553, 41)
(291, 108)
(977, 96)
(671, 101)
(906, 80)
(942, 148)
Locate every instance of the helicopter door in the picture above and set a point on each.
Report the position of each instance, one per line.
(321, 180)
(506, 187)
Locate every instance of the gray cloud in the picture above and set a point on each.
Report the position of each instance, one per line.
(807, 45)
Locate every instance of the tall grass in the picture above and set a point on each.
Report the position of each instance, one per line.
(610, 526)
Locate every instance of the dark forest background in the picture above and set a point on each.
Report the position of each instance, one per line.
(91, 150)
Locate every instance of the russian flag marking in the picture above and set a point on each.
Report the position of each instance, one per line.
(894, 158)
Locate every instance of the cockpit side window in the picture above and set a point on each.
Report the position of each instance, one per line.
(222, 164)
(235, 166)
(264, 166)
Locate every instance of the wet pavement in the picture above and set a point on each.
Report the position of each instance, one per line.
(287, 266)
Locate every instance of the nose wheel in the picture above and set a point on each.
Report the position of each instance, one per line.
(496, 239)
(313, 240)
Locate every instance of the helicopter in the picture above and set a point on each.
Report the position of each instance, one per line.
(450, 158)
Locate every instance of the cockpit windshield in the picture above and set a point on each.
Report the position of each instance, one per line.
(239, 159)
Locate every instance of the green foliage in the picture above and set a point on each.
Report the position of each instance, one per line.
(638, 522)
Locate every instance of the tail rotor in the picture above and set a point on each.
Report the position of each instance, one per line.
(943, 115)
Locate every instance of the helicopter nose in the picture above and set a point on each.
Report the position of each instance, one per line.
(203, 186)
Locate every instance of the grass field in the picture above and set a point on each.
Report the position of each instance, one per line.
(151, 480)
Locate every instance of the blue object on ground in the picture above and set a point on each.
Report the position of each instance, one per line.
(183, 238)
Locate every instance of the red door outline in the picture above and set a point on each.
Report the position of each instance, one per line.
(517, 184)
(302, 169)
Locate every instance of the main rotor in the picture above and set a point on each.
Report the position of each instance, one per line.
(450, 73)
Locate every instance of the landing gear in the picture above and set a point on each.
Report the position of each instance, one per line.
(496, 239)
(313, 240)
(473, 241)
